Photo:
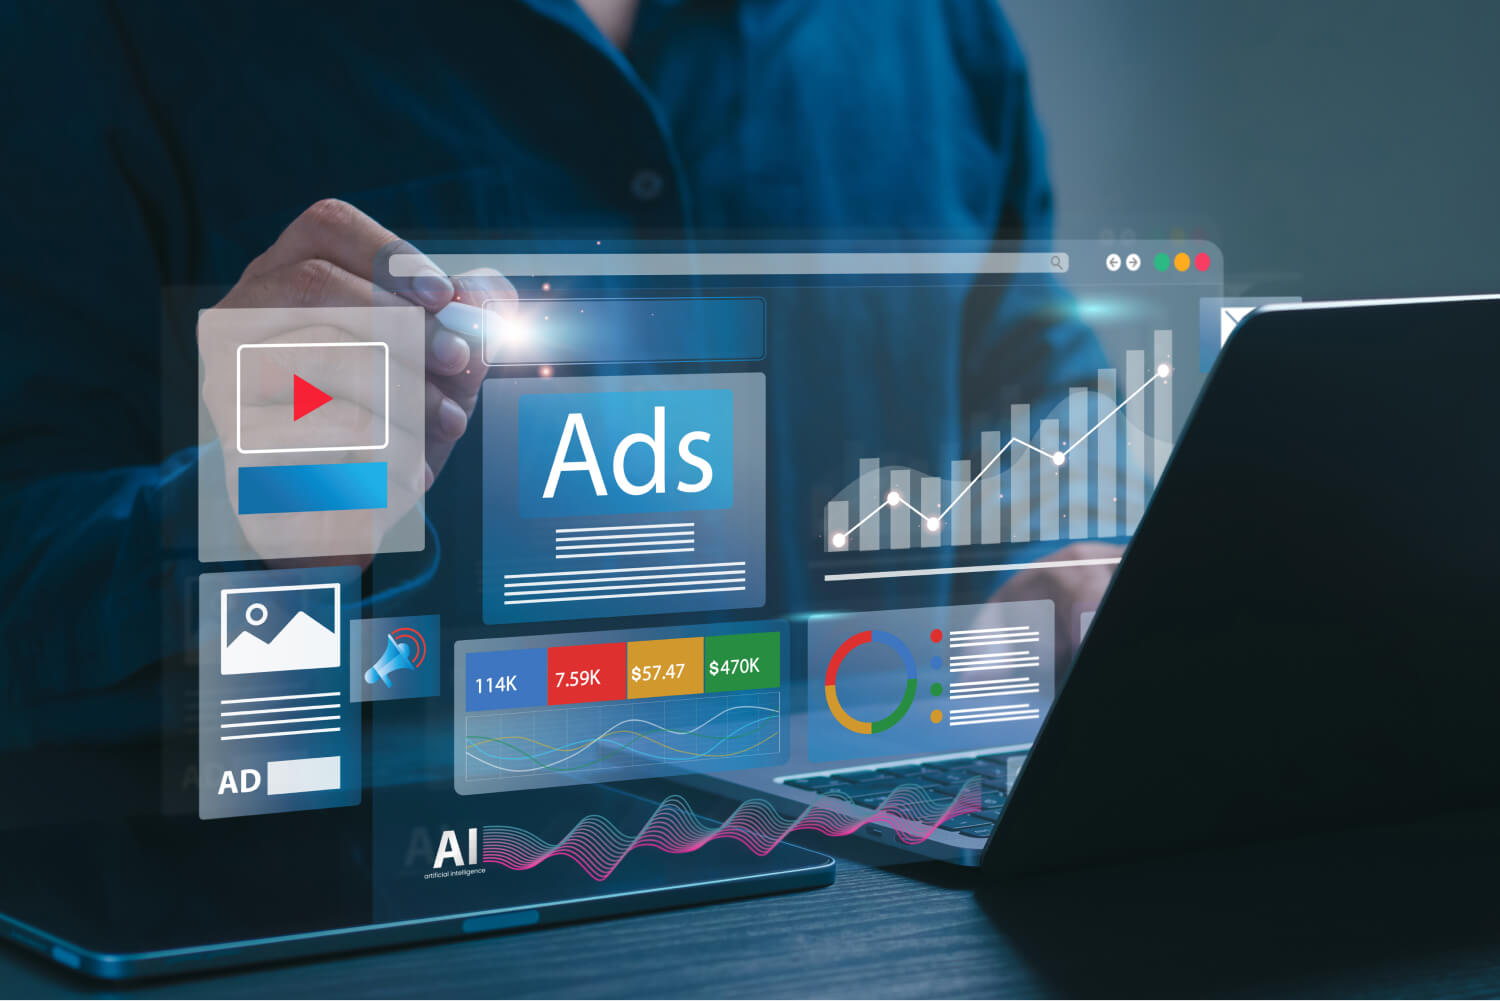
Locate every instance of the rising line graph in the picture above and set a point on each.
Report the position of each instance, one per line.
(1082, 471)
(934, 523)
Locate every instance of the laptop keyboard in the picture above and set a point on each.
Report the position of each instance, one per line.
(869, 787)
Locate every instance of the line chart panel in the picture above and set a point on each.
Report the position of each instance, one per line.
(532, 712)
(614, 741)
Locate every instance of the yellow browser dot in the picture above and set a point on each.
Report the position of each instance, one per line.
(1182, 262)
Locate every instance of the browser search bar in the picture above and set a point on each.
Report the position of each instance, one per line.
(647, 265)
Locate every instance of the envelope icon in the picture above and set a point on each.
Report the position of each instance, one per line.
(1229, 318)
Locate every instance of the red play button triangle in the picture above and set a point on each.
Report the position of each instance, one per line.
(306, 397)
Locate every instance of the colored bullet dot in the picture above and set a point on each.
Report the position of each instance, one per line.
(1161, 260)
(937, 663)
(1182, 262)
(1201, 262)
(936, 716)
(937, 636)
(936, 689)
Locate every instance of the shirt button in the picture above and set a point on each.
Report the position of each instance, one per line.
(647, 185)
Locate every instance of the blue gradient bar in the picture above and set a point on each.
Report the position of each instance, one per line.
(331, 486)
(627, 330)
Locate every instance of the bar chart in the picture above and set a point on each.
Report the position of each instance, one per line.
(1082, 471)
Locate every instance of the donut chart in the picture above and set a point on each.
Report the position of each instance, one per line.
(908, 683)
(830, 681)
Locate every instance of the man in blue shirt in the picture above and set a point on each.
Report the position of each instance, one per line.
(156, 147)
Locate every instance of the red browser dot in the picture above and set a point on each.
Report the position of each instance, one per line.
(1202, 262)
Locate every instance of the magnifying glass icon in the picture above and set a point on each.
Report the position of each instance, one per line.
(1057, 264)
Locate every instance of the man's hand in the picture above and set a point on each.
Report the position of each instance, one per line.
(1072, 591)
(328, 258)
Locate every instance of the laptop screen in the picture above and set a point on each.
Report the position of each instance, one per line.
(676, 510)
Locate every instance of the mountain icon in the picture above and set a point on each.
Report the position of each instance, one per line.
(302, 644)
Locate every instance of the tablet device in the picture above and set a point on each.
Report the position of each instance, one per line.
(122, 897)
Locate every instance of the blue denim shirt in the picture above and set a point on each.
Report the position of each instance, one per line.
(160, 146)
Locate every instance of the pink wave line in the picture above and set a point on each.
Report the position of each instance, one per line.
(598, 846)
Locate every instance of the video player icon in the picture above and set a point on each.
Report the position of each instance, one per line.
(358, 372)
(306, 397)
(316, 411)
(354, 372)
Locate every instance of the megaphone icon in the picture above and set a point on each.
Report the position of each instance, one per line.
(404, 651)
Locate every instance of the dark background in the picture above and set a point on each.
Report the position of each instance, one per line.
(1336, 148)
(1351, 141)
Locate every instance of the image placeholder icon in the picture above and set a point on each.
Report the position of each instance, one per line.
(288, 628)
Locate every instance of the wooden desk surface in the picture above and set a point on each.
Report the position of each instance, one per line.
(1332, 917)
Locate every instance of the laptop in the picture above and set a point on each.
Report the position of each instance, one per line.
(1296, 637)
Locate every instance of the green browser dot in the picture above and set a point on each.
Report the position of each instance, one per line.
(1162, 261)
